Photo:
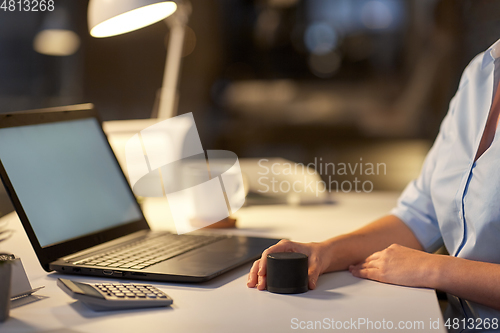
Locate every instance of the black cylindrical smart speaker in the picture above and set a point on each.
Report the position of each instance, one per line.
(287, 273)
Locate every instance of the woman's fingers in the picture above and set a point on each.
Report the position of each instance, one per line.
(252, 276)
(313, 279)
(365, 273)
(314, 271)
(263, 262)
(368, 264)
(282, 246)
(262, 283)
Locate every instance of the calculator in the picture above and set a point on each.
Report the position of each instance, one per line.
(115, 296)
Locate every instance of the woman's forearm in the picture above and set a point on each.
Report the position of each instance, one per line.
(476, 281)
(352, 248)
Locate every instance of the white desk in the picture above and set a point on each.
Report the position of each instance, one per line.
(225, 304)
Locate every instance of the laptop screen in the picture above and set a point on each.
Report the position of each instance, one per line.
(66, 179)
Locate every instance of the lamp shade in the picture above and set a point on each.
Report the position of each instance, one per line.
(114, 17)
(56, 36)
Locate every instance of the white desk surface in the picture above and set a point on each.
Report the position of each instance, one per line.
(225, 304)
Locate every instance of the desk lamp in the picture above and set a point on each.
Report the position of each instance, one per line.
(108, 18)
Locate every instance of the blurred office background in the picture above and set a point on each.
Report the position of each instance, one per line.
(338, 80)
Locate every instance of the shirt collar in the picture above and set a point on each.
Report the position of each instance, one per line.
(492, 53)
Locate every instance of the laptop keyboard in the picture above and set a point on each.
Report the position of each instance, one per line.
(148, 251)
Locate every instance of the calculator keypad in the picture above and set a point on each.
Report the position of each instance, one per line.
(129, 291)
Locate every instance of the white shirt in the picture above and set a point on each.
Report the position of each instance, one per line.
(456, 201)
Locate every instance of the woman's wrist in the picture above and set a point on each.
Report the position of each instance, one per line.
(432, 270)
(334, 254)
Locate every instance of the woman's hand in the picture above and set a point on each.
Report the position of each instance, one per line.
(318, 262)
(398, 265)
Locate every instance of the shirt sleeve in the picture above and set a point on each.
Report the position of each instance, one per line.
(415, 207)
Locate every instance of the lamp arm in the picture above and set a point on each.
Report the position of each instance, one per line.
(177, 22)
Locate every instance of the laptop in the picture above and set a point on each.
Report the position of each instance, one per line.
(80, 213)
